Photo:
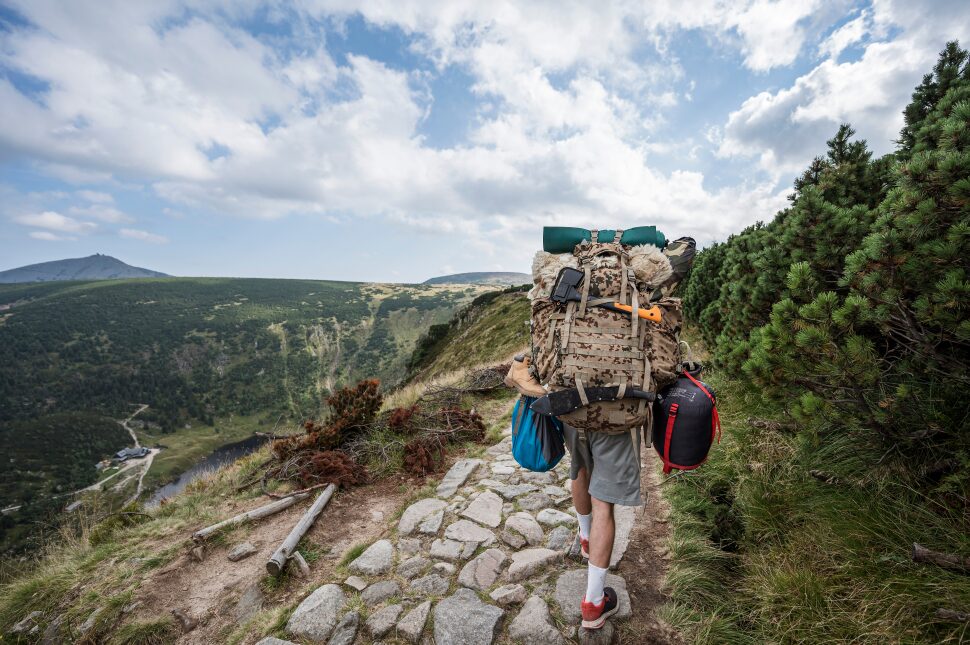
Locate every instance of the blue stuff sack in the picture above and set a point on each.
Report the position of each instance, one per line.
(537, 442)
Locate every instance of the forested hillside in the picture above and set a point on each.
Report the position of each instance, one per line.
(214, 359)
(840, 335)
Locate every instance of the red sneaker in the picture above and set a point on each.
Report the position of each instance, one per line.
(584, 547)
(595, 615)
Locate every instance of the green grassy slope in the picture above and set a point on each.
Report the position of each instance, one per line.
(491, 328)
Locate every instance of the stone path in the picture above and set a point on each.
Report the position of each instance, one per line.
(493, 555)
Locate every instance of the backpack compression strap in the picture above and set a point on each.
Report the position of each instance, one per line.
(715, 419)
(668, 433)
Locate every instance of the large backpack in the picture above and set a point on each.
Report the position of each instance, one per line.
(577, 345)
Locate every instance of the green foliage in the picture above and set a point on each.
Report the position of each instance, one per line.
(846, 314)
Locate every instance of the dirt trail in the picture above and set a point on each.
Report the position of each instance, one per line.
(134, 437)
(646, 561)
(210, 590)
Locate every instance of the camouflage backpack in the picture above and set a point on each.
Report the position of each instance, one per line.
(576, 345)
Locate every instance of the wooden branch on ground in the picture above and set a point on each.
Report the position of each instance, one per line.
(949, 561)
(278, 560)
(952, 615)
(303, 569)
(255, 514)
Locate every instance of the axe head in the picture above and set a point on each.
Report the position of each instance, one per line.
(567, 284)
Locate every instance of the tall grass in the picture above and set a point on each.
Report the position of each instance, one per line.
(804, 536)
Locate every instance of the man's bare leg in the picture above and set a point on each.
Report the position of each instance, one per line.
(601, 536)
(582, 502)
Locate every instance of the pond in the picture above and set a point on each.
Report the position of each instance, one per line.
(217, 459)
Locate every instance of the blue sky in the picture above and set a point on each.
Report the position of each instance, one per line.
(396, 141)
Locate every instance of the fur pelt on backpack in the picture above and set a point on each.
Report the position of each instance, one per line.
(648, 262)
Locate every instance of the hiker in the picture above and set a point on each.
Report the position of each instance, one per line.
(614, 480)
(604, 339)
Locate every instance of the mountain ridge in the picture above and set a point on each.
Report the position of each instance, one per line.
(511, 278)
(92, 267)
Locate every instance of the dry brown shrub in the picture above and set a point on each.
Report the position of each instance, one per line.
(423, 455)
(331, 466)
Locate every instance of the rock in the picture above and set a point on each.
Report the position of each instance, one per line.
(508, 594)
(533, 625)
(526, 563)
(376, 560)
(463, 619)
(444, 569)
(241, 551)
(508, 491)
(468, 550)
(356, 582)
(431, 524)
(601, 636)
(86, 626)
(539, 478)
(526, 526)
(300, 566)
(556, 491)
(249, 603)
(501, 448)
(499, 469)
(346, 630)
(186, 621)
(535, 502)
(379, 592)
(624, 518)
(381, 622)
(53, 633)
(571, 587)
(466, 531)
(449, 550)
(412, 567)
(412, 625)
(485, 509)
(409, 546)
(481, 572)
(430, 585)
(316, 616)
(513, 539)
(29, 621)
(552, 517)
(560, 538)
(272, 640)
(456, 476)
(417, 513)
(197, 553)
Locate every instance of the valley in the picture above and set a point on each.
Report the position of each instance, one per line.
(182, 366)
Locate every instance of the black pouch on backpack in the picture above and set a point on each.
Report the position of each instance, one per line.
(685, 422)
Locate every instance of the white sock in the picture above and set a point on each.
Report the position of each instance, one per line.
(595, 578)
(585, 522)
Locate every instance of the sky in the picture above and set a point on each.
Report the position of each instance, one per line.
(396, 140)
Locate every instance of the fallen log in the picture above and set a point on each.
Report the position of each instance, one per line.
(951, 615)
(255, 514)
(949, 561)
(278, 560)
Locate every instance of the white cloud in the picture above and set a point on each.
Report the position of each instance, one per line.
(101, 212)
(95, 196)
(47, 236)
(144, 236)
(54, 221)
(571, 98)
(845, 36)
(786, 128)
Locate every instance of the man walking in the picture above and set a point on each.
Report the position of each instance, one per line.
(605, 470)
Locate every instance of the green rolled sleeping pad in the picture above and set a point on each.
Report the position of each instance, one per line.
(562, 239)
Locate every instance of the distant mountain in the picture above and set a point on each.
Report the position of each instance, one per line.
(482, 277)
(93, 267)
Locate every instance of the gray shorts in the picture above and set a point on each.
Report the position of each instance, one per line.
(616, 476)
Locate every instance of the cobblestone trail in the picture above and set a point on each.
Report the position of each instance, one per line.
(493, 556)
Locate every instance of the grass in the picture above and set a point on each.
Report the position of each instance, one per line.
(353, 553)
(156, 632)
(763, 552)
